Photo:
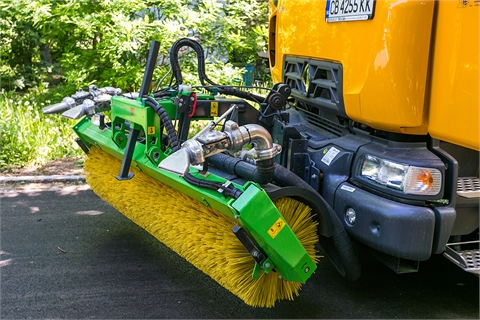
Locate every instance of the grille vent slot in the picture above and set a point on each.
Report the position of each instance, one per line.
(468, 187)
(315, 82)
(317, 129)
(334, 130)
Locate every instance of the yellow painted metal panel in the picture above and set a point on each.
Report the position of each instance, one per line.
(454, 106)
(385, 60)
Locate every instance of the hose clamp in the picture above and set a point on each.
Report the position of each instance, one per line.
(266, 154)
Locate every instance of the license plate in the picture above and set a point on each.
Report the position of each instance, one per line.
(349, 10)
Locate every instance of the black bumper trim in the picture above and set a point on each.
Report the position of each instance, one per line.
(401, 230)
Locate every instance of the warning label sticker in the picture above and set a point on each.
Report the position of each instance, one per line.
(330, 155)
(151, 130)
(214, 109)
(276, 228)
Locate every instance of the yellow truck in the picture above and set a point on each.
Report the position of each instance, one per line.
(384, 120)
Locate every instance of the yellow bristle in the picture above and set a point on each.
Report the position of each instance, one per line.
(198, 233)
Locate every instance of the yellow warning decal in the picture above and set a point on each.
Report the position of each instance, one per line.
(276, 228)
(214, 109)
(151, 130)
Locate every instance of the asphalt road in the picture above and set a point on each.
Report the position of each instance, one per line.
(67, 254)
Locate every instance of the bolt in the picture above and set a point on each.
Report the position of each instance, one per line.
(314, 176)
(277, 102)
(255, 253)
(307, 269)
(267, 265)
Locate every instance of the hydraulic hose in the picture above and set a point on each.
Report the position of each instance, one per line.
(228, 191)
(338, 247)
(201, 71)
(285, 177)
(238, 93)
(200, 58)
(166, 121)
(161, 94)
(262, 173)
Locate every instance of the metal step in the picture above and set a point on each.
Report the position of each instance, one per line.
(468, 260)
(468, 187)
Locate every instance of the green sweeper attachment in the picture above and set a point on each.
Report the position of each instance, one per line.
(219, 199)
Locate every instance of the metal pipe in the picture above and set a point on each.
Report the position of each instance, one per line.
(251, 133)
(259, 136)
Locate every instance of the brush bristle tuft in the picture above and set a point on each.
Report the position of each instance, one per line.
(198, 233)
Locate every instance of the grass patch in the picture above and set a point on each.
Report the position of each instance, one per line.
(27, 136)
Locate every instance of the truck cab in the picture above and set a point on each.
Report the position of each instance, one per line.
(383, 120)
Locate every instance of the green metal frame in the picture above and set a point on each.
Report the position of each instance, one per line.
(254, 210)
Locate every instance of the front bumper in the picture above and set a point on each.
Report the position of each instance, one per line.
(398, 229)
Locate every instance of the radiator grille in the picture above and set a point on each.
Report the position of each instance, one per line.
(318, 129)
(331, 129)
(315, 82)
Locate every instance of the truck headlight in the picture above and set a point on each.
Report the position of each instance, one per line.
(398, 176)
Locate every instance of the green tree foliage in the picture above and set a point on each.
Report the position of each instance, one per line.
(76, 43)
(107, 41)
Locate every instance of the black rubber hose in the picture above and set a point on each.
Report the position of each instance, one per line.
(201, 71)
(200, 60)
(262, 173)
(230, 191)
(285, 177)
(161, 94)
(338, 247)
(238, 93)
(166, 121)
